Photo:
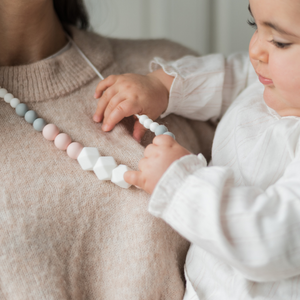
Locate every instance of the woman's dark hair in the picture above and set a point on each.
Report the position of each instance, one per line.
(71, 12)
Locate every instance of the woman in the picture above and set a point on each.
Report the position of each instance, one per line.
(64, 234)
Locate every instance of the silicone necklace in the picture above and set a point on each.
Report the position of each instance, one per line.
(105, 167)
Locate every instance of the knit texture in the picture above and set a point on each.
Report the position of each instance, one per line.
(63, 233)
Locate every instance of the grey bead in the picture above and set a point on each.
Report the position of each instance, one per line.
(39, 124)
(170, 134)
(30, 116)
(21, 109)
(160, 129)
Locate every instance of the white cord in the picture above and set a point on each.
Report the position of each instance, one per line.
(85, 58)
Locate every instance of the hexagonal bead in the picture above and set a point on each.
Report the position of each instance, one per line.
(118, 176)
(88, 158)
(104, 166)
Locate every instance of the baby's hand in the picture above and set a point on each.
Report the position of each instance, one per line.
(125, 95)
(158, 157)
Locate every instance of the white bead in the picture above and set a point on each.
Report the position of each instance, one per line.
(88, 158)
(3, 92)
(142, 119)
(118, 176)
(147, 123)
(8, 97)
(153, 126)
(14, 102)
(104, 166)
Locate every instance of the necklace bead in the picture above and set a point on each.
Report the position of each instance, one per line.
(14, 102)
(62, 141)
(50, 132)
(30, 116)
(39, 124)
(8, 97)
(74, 150)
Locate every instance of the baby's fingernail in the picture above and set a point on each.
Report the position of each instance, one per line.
(96, 118)
(96, 95)
(105, 127)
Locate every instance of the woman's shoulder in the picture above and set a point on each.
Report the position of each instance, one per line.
(132, 55)
(135, 55)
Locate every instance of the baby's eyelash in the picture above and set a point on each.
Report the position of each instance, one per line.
(252, 23)
(280, 45)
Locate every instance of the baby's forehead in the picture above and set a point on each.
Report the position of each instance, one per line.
(281, 12)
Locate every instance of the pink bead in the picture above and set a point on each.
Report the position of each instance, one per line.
(50, 132)
(74, 150)
(62, 141)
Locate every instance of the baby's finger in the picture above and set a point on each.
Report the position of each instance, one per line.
(163, 140)
(105, 84)
(117, 109)
(138, 131)
(99, 114)
(113, 113)
(134, 178)
(102, 104)
(150, 150)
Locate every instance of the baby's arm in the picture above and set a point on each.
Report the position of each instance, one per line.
(125, 95)
(253, 230)
(203, 88)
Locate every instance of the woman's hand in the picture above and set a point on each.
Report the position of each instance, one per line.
(158, 157)
(125, 95)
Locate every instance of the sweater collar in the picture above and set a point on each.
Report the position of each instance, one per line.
(56, 77)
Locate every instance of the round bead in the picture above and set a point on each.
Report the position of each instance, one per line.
(147, 123)
(170, 134)
(30, 116)
(3, 92)
(74, 150)
(8, 97)
(39, 124)
(153, 126)
(160, 129)
(62, 141)
(50, 132)
(21, 109)
(14, 102)
(142, 119)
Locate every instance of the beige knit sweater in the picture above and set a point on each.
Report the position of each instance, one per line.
(63, 233)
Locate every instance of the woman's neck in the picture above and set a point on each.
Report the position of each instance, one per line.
(29, 31)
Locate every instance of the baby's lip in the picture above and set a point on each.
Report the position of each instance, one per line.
(264, 80)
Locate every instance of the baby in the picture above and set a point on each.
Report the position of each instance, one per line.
(242, 213)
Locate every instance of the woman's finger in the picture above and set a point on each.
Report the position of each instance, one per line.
(134, 178)
(105, 84)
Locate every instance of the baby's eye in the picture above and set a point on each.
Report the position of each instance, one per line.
(280, 45)
(252, 24)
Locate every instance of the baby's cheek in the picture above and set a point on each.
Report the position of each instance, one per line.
(286, 78)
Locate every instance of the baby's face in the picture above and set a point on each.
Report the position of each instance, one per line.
(275, 52)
